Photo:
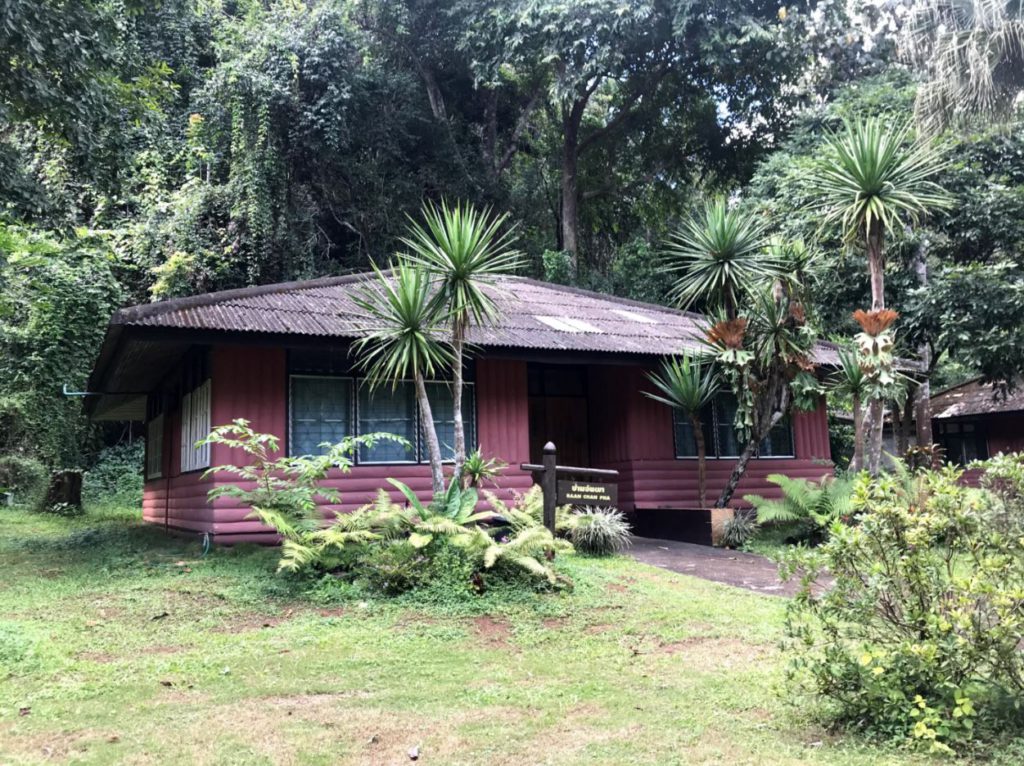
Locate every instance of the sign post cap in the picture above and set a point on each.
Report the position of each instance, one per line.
(549, 448)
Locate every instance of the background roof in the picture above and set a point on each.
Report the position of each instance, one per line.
(975, 398)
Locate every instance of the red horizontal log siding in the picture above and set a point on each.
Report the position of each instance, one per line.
(633, 434)
(628, 432)
(252, 383)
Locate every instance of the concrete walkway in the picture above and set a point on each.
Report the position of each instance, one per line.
(743, 570)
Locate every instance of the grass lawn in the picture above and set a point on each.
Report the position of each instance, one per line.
(120, 644)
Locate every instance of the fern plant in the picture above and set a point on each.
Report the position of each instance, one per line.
(806, 509)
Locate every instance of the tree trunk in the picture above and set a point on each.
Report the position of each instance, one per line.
(570, 183)
(64, 493)
(430, 433)
(876, 407)
(458, 347)
(923, 399)
(858, 435)
(737, 473)
(702, 462)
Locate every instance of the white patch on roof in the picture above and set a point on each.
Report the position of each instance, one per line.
(566, 324)
(634, 316)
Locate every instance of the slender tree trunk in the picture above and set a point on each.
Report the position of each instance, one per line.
(570, 183)
(858, 435)
(458, 347)
(430, 433)
(876, 407)
(737, 473)
(702, 462)
(923, 398)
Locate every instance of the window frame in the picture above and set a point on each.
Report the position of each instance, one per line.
(291, 405)
(202, 462)
(714, 448)
(419, 448)
(154, 456)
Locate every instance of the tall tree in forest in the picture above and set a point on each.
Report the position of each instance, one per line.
(869, 182)
(464, 250)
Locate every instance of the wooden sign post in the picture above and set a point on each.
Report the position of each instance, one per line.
(573, 492)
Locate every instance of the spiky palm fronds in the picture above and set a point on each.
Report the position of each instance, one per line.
(687, 382)
(402, 325)
(871, 174)
(464, 249)
(973, 54)
(718, 255)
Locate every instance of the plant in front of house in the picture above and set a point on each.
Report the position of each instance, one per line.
(479, 469)
(688, 384)
(527, 510)
(463, 249)
(919, 635)
(402, 323)
(806, 510)
(599, 531)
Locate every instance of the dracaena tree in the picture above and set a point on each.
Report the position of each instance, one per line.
(874, 180)
(688, 383)
(464, 250)
(850, 380)
(402, 325)
(760, 339)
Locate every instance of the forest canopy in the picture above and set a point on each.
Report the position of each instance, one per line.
(159, 149)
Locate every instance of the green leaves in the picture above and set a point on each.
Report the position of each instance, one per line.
(402, 323)
(871, 174)
(464, 249)
(687, 382)
(719, 256)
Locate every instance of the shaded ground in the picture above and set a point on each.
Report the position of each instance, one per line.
(742, 570)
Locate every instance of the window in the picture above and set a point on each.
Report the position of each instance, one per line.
(195, 425)
(155, 447)
(720, 438)
(393, 411)
(962, 442)
(442, 407)
(326, 409)
(321, 411)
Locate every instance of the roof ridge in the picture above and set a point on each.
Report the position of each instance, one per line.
(140, 311)
(955, 386)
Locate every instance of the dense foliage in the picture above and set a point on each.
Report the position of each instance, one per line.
(919, 637)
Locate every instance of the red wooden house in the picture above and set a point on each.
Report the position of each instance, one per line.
(561, 364)
(974, 420)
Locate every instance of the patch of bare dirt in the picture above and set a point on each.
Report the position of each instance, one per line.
(555, 623)
(162, 649)
(711, 653)
(597, 629)
(492, 632)
(100, 657)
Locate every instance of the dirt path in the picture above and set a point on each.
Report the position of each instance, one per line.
(743, 570)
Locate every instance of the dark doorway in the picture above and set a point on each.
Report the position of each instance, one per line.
(559, 413)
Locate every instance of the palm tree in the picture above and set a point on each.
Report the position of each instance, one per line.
(849, 379)
(719, 254)
(871, 181)
(688, 385)
(464, 249)
(402, 327)
(972, 56)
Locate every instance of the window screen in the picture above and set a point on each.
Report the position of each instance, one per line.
(321, 411)
(393, 411)
(779, 442)
(195, 425)
(720, 437)
(725, 422)
(443, 409)
(686, 444)
(155, 447)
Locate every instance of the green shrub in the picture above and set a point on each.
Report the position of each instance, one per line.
(1003, 477)
(739, 530)
(24, 476)
(599, 531)
(393, 568)
(807, 510)
(920, 636)
(527, 509)
(116, 477)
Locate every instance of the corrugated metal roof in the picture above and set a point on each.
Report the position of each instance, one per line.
(325, 307)
(976, 398)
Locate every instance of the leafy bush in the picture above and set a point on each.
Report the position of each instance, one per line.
(24, 476)
(116, 477)
(920, 636)
(739, 530)
(1003, 477)
(390, 547)
(806, 510)
(599, 531)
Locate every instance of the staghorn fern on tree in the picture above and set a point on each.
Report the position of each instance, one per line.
(806, 509)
